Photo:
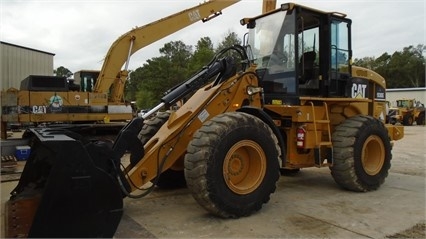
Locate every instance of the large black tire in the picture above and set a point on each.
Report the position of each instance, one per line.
(421, 119)
(170, 178)
(362, 154)
(152, 125)
(231, 165)
(408, 120)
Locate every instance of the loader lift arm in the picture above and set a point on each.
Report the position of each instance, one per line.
(111, 75)
(212, 75)
(63, 193)
(52, 170)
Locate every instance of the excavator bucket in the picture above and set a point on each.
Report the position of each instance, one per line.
(68, 188)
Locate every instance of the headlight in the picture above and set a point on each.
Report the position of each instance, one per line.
(251, 90)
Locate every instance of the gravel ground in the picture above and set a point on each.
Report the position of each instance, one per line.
(409, 155)
(417, 231)
(306, 205)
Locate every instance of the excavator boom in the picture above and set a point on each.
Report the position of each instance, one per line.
(268, 5)
(132, 41)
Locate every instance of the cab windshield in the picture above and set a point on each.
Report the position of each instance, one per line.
(272, 42)
(403, 103)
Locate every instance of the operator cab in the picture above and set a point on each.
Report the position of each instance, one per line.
(300, 51)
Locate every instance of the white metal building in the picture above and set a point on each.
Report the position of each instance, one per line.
(419, 94)
(18, 62)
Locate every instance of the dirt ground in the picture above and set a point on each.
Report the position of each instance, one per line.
(308, 204)
(409, 157)
(417, 231)
(409, 154)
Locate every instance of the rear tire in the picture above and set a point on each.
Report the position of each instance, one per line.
(152, 125)
(231, 165)
(170, 178)
(362, 154)
(421, 119)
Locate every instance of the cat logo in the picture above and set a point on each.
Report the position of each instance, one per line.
(194, 15)
(359, 90)
(55, 103)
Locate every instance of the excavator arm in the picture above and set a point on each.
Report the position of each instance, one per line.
(268, 5)
(112, 75)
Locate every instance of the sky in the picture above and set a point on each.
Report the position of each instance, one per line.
(80, 32)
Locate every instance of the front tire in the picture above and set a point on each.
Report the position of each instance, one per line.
(231, 165)
(362, 154)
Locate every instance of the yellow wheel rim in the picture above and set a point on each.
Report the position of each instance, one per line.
(244, 167)
(373, 155)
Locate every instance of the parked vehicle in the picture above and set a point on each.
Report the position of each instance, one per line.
(244, 119)
(407, 111)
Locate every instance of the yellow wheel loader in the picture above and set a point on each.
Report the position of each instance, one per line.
(406, 112)
(290, 98)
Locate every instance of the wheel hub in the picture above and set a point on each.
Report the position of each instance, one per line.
(373, 155)
(244, 167)
(235, 165)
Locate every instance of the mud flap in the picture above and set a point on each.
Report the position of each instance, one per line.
(68, 189)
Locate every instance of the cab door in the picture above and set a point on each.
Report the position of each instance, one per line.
(340, 57)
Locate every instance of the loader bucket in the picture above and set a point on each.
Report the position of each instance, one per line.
(68, 189)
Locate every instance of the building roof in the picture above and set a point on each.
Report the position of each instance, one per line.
(407, 89)
(27, 48)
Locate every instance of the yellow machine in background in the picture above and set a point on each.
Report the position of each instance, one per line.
(49, 99)
(291, 100)
(406, 112)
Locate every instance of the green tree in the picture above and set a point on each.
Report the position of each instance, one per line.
(132, 85)
(402, 69)
(176, 63)
(407, 67)
(62, 71)
(176, 56)
(229, 40)
(149, 82)
(203, 54)
(366, 62)
(145, 99)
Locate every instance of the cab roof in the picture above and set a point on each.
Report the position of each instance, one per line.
(291, 6)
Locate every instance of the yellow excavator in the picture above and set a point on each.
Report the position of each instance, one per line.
(49, 99)
(288, 99)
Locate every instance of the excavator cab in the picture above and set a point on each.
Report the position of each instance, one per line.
(301, 52)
